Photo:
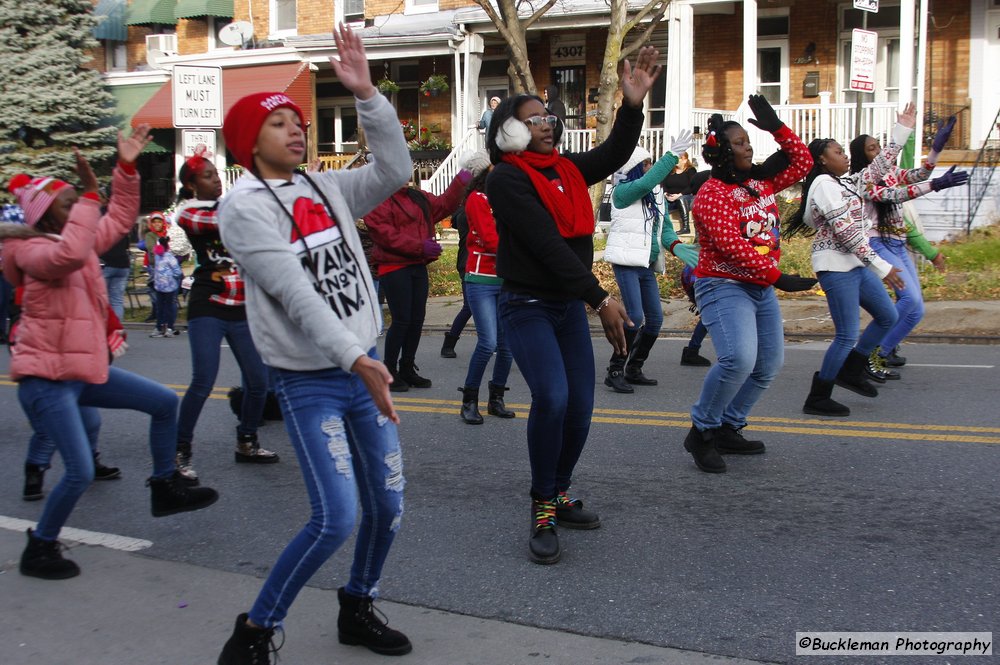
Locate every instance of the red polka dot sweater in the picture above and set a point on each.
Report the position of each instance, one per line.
(740, 232)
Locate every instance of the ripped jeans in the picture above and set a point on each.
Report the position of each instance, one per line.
(347, 452)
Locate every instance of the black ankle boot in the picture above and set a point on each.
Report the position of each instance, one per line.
(247, 645)
(818, 402)
(637, 357)
(894, 359)
(615, 378)
(172, 495)
(44, 559)
(691, 358)
(102, 472)
(470, 405)
(358, 624)
(496, 406)
(571, 514)
(729, 441)
(543, 547)
(702, 448)
(852, 375)
(34, 480)
(408, 372)
(399, 384)
(448, 347)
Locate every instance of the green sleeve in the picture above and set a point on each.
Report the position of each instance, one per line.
(627, 193)
(916, 240)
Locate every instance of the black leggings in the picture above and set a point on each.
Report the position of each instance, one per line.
(406, 293)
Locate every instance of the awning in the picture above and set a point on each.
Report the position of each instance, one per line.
(128, 100)
(194, 8)
(292, 79)
(146, 12)
(111, 17)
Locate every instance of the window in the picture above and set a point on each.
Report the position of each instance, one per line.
(772, 71)
(354, 10)
(338, 127)
(421, 6)
(115, 56)
(214, 25)
(283, 19)
(886, 23)
(571, 82)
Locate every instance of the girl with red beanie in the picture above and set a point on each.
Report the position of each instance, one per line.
(60, 358)
(314, 317)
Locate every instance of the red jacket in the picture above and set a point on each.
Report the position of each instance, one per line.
(482, 239)
(399, 226)
(62, 334)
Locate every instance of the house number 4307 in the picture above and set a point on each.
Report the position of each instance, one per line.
(569, 52)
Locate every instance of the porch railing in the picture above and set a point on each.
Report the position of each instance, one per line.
(983, 170)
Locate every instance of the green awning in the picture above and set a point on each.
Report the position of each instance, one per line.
(111, 14)
(146, 12)
(195, 8)
(128, 100)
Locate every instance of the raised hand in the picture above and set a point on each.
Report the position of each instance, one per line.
(88, 181)
(679, 144)
(943, 134)
(950, 178)
(129, 148)
(351, 66)
(636, 81)
(908, 116)
(764, 116)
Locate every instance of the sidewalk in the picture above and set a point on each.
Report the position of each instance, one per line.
(128, 608)
(970, 321)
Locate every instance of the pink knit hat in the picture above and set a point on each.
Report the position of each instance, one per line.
(245, 118)
(35, 195)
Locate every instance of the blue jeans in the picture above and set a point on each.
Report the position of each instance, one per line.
(909, 301)
(463, 316)
(41, 448)
(347, 451)
(205, 335)
(550, 341)
(845, 291)
(698, 335)
(116, 280)
(166, 309)
(483, 301)
(744, 321)
(6, 291)
(640, 296)
(54, 406)
(406, 292)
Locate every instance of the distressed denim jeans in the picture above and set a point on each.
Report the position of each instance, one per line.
(348, 452)
(744, 321)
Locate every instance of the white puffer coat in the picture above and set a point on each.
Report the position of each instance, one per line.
(630, 236)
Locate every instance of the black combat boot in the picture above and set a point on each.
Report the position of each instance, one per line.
(470, 405)
(637, 357)
(496, 406)
(543, 547)
(248, 645)
(358, 624)
(701, 445)
(44, 559)
(173, 495)
(408, 372)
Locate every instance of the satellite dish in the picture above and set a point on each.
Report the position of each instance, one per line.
(236, 33)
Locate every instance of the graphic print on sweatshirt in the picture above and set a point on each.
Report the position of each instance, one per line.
(324, 254)
(758, 219)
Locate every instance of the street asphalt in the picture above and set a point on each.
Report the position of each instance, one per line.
(884, 521)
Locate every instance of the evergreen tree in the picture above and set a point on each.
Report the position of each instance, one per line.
(50, 101)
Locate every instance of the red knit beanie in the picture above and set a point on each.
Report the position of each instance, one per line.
(245, 118)
(35, 195)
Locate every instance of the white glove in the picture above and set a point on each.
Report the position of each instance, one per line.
(475, 162)
(679, 144)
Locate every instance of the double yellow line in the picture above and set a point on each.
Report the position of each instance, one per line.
(804, 426)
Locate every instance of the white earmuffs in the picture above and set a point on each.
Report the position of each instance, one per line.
(513, 136)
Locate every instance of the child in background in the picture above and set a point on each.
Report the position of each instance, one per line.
(167, 277)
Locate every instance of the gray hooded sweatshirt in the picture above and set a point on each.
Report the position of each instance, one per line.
(309, 315)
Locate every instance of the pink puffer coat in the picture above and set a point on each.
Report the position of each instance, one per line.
(62, 334)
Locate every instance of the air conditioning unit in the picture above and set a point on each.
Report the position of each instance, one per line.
(166, 44)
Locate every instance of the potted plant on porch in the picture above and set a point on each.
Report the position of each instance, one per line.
(434, 85)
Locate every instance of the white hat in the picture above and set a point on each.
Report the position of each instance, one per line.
(639, 155)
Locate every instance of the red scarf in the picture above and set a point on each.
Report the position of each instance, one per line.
(571, 208)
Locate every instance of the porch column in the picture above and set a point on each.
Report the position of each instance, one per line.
(921, 77)
(473, 49)
(749, 48)
(680, 67)
(907, 26)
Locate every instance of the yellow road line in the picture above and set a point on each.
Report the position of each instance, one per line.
(682, 420)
